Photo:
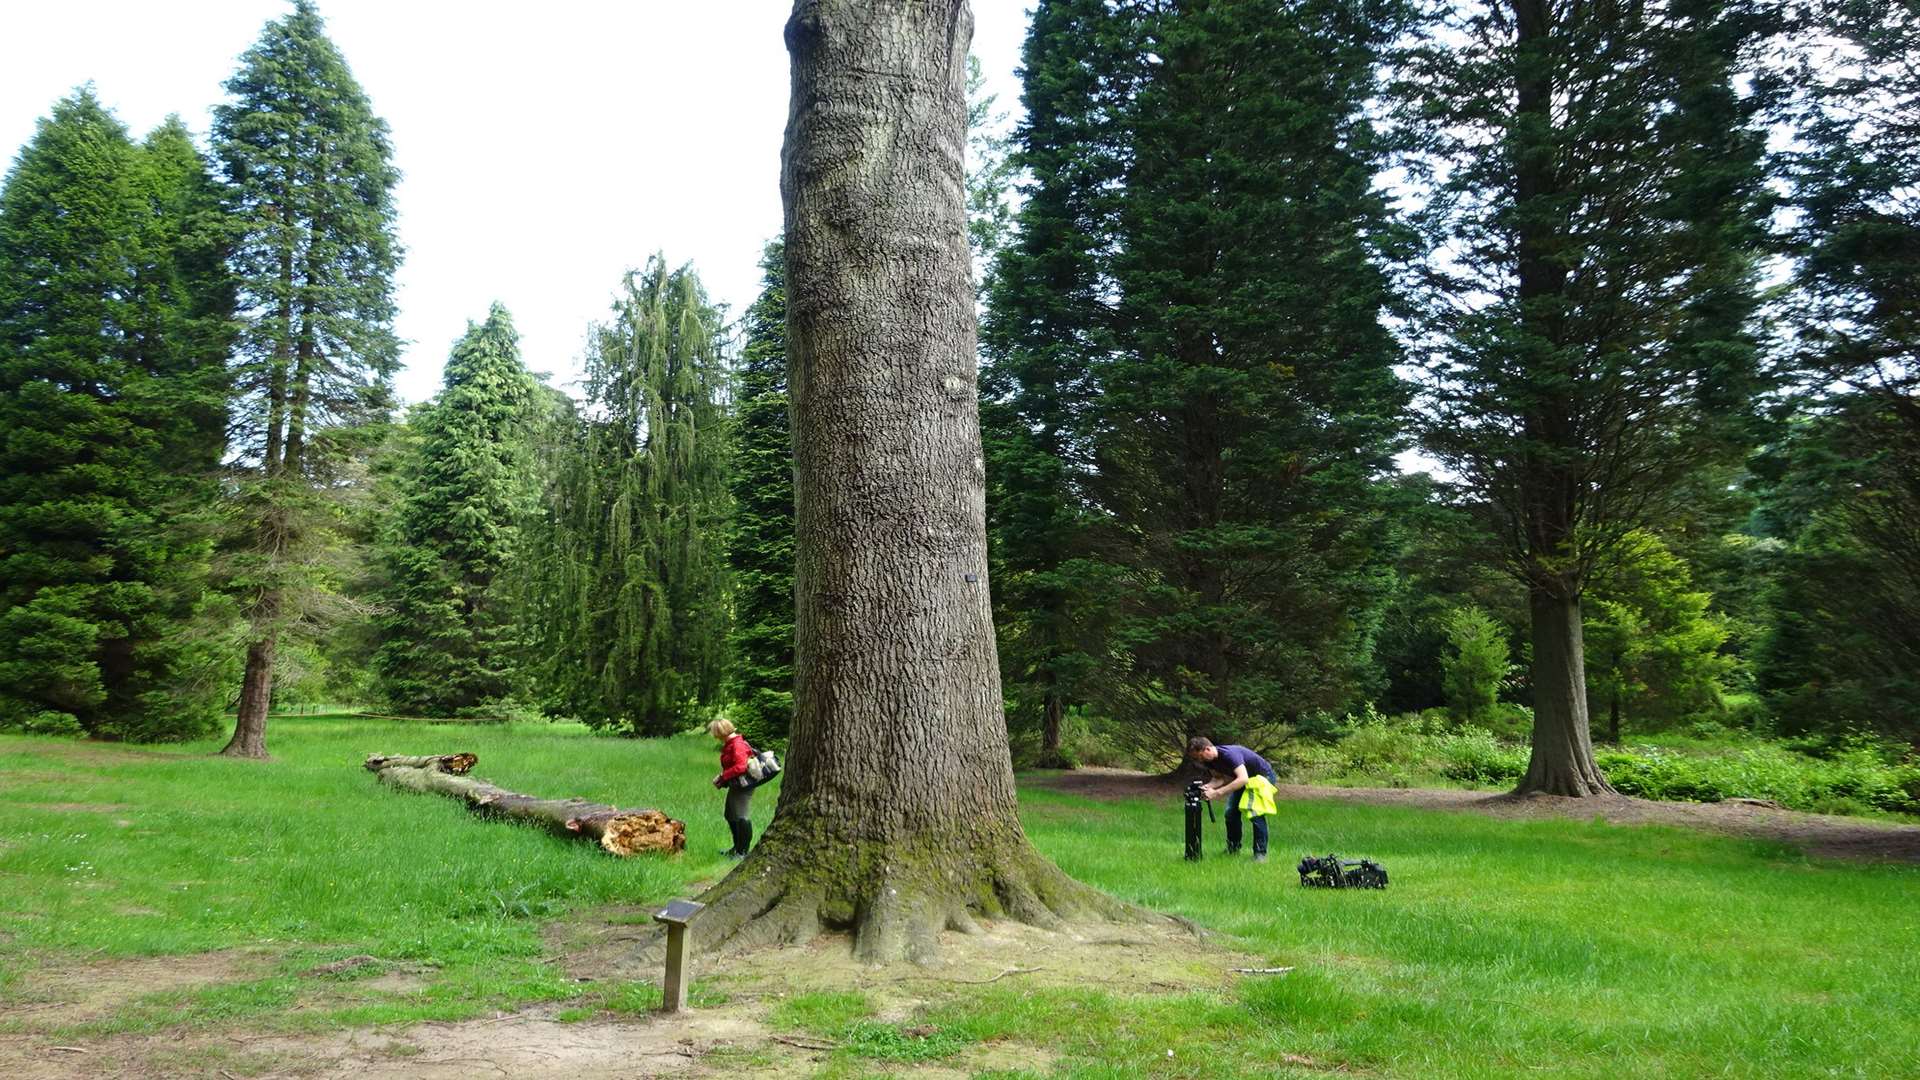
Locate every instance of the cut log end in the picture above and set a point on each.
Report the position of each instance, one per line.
(632, 833)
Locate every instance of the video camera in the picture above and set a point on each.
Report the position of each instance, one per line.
(1194, 801)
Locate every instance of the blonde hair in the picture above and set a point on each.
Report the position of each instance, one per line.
(720, 729)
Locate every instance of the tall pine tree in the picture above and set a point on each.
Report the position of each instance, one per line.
(113, 308)
(1596, 218)
(312, 177)
(760, 681)
(445, 626)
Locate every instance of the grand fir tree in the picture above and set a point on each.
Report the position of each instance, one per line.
(113, 312)
(1596, 217)
(446, 620)
(312, 177)
(1193, 398)
(760, 681)
(631, 605)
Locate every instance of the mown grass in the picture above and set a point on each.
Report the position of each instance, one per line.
(1502, 949)
(126, 852)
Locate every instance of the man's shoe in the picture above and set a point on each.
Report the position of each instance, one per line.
(1260, 857)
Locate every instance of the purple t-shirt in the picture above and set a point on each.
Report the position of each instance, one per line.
(1231, 757)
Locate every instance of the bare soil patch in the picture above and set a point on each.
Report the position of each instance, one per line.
(61, 994)
(1825, 835)
(732, 1039)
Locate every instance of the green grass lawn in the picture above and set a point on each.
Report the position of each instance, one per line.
(1503, 948)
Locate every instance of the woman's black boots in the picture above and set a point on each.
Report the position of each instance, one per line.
(742, 836)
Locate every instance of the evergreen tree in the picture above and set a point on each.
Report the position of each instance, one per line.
(1596, 220)
(312, 178)
(1040, 338)
(112, 349)
(1654, 649)
(446, 620)
(760, 682)
(634, 612)
(1476, 663)
(1842, 649)
(1188, 344)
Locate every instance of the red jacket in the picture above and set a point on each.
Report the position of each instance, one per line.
(733, 759)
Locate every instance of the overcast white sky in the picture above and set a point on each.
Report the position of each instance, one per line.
(546, 147)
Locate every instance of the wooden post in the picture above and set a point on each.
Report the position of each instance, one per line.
(673, 990)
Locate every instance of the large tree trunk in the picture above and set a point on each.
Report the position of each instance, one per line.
(897, 816)
(256, 693)
(1562, 761)
(621, 832)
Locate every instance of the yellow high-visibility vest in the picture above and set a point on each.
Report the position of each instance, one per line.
(1256, 799)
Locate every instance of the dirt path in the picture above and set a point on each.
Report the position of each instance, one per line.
(1825, 835)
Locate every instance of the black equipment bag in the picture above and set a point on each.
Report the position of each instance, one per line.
(1331, 873)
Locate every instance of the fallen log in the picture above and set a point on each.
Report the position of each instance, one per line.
(457, 764)
(622, 832)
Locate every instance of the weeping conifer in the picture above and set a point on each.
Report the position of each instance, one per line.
(446, 619)
(632, 617)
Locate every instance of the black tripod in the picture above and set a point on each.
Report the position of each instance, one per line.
(1194, 799)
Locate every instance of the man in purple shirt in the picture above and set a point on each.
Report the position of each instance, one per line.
(1232, 766)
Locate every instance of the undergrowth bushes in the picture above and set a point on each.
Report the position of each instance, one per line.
(1425, 750)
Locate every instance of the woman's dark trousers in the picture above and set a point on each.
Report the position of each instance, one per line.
(740, 818)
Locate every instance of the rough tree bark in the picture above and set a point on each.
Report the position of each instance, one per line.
(621, 832)
(897, 815)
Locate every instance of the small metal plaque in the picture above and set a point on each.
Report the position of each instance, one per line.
(973, 577)
(680, 911)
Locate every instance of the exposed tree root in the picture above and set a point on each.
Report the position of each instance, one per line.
(774, 899)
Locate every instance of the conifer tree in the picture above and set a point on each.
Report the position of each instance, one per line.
(312, 179)
(1596, 222)
(1188, 342)
(112, 355)
(1040, 338)
(760, 682)
(635, 618)
(446, 619)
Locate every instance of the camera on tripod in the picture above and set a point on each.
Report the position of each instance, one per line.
(1194, 801)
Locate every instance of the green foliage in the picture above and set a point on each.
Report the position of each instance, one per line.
(628, 629)
(1842, 648)
(1477, 663)
(760, 678)
(1857, 780)
(1189, 400)
(1596, 215)
(311, 179)
(445, 622)
(113, 309)
(1654, 649)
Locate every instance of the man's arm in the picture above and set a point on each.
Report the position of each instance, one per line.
(1239, 781)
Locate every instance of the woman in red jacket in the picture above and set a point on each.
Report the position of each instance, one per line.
(734, 753)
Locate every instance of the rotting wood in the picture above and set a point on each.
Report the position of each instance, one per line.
(457, 764)
(621, 832)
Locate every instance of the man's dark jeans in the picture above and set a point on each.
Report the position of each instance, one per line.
(1234, 819)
